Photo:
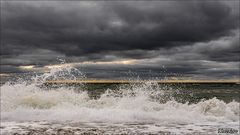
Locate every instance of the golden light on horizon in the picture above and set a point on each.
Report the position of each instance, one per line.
(119, 62)
(4, 74)
(54, 66)
(29, 67)
(86, 63)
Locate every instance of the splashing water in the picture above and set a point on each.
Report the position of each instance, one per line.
(145, 104)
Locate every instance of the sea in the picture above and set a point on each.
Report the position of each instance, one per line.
(30, 106)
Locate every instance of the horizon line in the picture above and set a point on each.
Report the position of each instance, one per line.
(102, 81)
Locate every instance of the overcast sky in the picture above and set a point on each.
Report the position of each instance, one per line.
(109, 38)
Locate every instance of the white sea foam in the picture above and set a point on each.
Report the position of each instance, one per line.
(28, 102)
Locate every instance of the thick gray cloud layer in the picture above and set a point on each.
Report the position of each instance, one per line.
(190, 37)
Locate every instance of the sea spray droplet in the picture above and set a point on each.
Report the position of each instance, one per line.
(64, 72)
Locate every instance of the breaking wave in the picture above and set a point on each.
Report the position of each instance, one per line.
(146, 102)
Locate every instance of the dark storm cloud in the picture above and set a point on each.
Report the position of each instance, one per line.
(37, 57)
(105, 26)
(224, 49)
(182, 36)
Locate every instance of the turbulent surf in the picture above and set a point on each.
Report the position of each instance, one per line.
(31, 107)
